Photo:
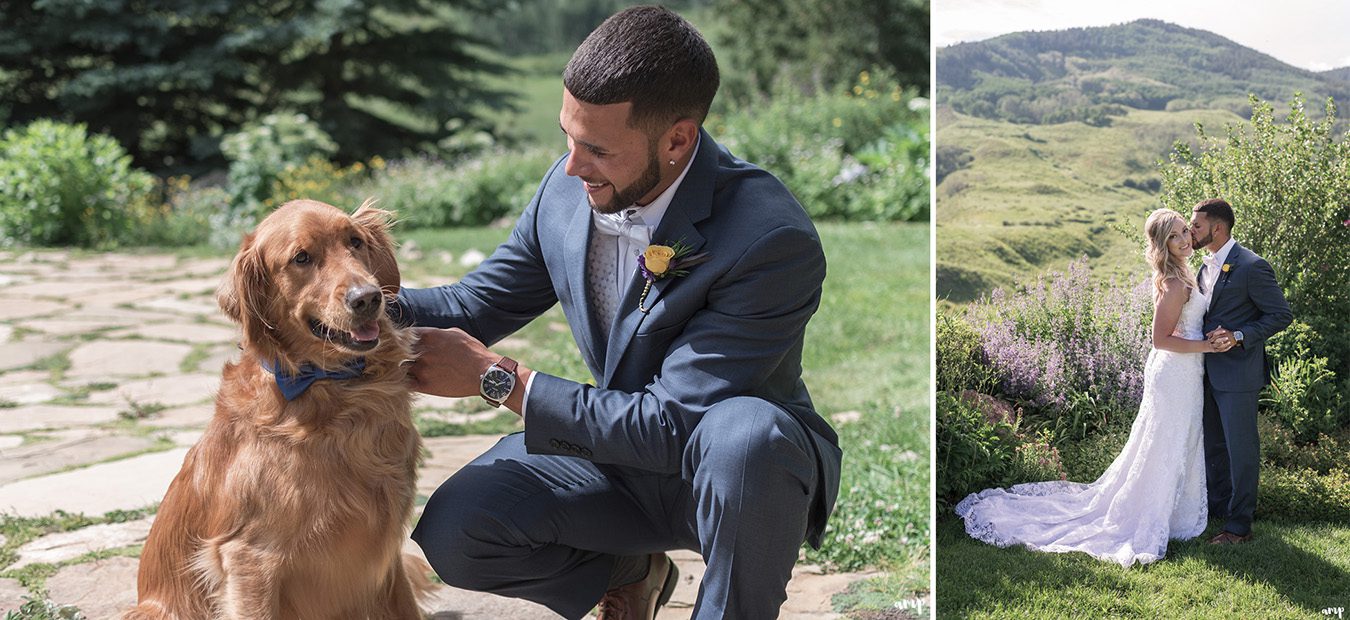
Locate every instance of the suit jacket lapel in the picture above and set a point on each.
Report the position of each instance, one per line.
(692, 204)
(576, 250)
(1234, 255)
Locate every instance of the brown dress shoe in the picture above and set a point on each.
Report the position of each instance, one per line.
(1225, 537)
(641, 599)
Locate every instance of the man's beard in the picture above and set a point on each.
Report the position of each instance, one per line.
(625, 197)
(1202, 243)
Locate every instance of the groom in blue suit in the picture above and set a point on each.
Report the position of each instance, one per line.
(1246, 307)
(698, 431)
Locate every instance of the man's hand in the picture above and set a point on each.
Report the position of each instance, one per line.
(1220, 339)
(451, 363)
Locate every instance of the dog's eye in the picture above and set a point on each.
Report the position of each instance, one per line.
(301, 258)
(357, 243)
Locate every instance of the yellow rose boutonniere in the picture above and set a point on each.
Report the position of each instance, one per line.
(1226, 267)
(662, 261)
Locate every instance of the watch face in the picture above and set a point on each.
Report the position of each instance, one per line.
(497, 383)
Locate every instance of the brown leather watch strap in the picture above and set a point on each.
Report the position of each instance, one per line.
(508, 364)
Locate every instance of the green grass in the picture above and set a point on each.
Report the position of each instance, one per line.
(1291, 570)
(1035, 197)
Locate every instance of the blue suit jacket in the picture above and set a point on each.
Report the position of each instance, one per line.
(733, 327)
(1246, 298)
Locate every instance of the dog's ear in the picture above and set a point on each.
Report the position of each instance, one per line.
(242, 296)
(376, 223)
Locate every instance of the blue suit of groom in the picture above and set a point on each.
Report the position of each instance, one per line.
(698, 432)
(1245, 298)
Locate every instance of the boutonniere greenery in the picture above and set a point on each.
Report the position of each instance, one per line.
(665, 261)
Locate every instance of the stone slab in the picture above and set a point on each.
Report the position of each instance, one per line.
(11, 594)
(35, 417)
(65, 289)
(179, 417)
(14, 308)
(54, 548)
(196, 306)
(102, 589)
(125, 358)
(170, 390)
(31, 393)
(120, 485)
(215, 361)
(194, 333)
(25, 353)
(9, 442)
(50, 456)
(65, 326)
(447, 456)
(6, 331)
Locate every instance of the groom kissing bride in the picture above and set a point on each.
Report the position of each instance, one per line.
(1193, 451)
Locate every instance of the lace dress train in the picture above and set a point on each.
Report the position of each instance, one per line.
(1154, 491)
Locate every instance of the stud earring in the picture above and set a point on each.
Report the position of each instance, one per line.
(672, 162)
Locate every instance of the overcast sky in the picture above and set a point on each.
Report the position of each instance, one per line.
(1311, 34)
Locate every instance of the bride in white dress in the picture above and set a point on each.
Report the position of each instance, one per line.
(1155, 489)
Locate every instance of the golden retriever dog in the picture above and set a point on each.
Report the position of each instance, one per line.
(295, 501)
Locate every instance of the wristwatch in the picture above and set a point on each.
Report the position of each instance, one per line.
(1237, 338)
(497, 381)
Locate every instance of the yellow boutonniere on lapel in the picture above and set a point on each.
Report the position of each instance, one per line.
(1226, 267)
(663, 261)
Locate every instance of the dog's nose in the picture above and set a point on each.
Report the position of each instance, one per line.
(363, 299)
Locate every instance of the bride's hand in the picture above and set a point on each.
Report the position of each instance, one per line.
(1219, 345)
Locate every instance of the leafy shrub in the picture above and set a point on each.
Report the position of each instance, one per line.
(1280, 449)
(858, 155)
(960, 357)
(1070, 348)
(1303, 392)
(1304, 495)
(261, 151)
(972, 453)
(469, 192)
(322, 180)
(61, 186)
(43, 609)
(185, 216)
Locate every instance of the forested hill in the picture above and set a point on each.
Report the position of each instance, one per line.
(1092, 74)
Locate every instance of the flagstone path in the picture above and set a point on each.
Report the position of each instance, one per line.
(108, 363)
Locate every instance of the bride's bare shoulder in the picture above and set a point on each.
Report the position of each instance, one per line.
(1176, 288)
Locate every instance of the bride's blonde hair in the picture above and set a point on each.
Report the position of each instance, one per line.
(1158, 228)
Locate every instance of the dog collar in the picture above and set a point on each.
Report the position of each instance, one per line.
(292, 386)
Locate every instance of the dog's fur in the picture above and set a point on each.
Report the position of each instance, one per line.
(297, 509)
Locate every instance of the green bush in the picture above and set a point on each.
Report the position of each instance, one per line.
(261, 151)
(857, 155)
(1303, 392)
(60, 185)
(471, 192)
(1304, 495)
(1279, 447)
(44, 609)
(960, 357)
(972, 453)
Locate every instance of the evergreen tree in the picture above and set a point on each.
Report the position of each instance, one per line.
(168, 78)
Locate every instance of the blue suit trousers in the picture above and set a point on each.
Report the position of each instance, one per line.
(548, 528)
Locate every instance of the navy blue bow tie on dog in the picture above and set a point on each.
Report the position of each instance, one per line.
(292, 386)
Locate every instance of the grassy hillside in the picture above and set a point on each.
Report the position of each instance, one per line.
(1093, 73)
(1017, 199)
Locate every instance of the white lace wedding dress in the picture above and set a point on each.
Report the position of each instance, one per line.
(1154, 490)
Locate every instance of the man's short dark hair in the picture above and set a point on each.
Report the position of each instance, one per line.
(1218, 209)
(650, 56)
